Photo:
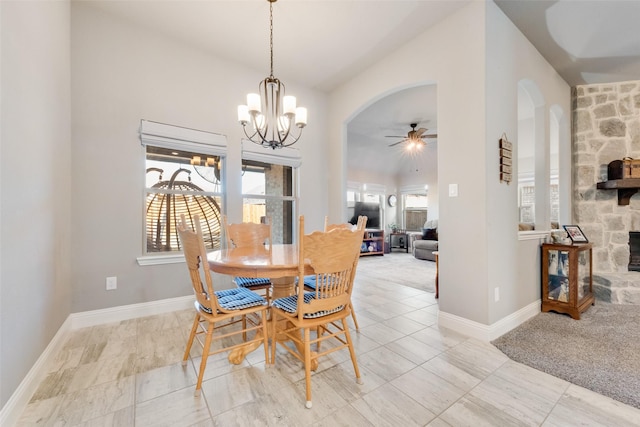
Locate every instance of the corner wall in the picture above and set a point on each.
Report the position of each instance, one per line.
(34, 183)
(456, 63)
(123, 73)
(476, 57)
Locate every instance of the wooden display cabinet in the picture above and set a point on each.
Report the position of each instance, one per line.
(372, 243)
(567, 283)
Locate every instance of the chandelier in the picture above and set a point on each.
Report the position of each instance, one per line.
(270, 114)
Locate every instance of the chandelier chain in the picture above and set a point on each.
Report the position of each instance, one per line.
(271, 34)
(272, 115)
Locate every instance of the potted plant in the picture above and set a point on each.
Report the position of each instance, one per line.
(394, 227)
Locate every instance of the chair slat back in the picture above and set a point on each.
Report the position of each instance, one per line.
(362, 222)
(247, 234)
(360, 227)
(332, 256)
(195, 255)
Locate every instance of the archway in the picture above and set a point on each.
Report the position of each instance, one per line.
(532, 196)
(377, 149)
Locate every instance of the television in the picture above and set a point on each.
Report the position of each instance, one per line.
(370, 210)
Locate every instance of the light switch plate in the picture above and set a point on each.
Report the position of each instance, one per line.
(453, 190)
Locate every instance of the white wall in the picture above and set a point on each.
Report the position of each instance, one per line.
(476, 56)
(455, 62)
(512, 263)
(34, 184)
(121, 74)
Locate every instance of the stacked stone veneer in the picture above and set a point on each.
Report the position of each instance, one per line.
(606, 127)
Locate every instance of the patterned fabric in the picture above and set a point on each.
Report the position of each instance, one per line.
(237, 299)
(247, 282)
(290, 305)
(310, 281)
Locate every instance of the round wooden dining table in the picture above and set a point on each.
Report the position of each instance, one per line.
(271, 261)
(278, 262)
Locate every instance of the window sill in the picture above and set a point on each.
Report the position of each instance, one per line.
(533, 235)
(160, 259)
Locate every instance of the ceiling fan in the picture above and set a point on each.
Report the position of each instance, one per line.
(414, 137)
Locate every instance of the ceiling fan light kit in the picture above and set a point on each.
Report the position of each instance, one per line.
(414, 138)
(271, 113)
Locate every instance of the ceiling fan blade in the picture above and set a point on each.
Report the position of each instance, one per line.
(395, 136)
(420, 131)
(396, 143)
(433, 135)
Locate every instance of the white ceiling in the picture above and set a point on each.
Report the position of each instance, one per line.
(344, 36)
(586, 41)
(590, 41)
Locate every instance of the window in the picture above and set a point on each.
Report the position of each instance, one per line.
(533, 193)
(555, 199)
(527, 201)
(557, 134)
(267, 191)
(183, 175)
(269, 188)
(351, 198)
(415, 210)
(367, 200)
(415, 203)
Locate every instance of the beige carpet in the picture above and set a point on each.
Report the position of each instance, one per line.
(398, 268)
(601, 351)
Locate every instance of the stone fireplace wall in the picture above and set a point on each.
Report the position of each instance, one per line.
(606, 127)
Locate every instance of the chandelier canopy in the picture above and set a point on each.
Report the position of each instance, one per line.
(270, 114)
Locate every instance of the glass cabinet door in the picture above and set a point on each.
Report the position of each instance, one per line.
(567, 285)
(558, 284)
(584, 274)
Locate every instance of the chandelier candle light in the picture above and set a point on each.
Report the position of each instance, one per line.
(272, 114)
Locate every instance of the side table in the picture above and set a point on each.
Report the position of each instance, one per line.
(567, 281)
(404, 238)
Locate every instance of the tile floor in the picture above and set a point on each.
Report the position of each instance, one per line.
(414, 374)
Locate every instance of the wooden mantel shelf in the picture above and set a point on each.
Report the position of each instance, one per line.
(626, 188)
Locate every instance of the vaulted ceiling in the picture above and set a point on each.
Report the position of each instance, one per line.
(589, 41)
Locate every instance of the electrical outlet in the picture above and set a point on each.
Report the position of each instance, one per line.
(496, 294)
(112, 283)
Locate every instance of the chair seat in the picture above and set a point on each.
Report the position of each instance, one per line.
(290, 305)
(248, 282)
(236, 299)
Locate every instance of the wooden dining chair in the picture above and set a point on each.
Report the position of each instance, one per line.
(331, 258)
(249, 235)
(218, 311)
(310, 282)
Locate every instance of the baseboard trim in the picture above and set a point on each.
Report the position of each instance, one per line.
(18, 401)
(14, 407)
(131, 311)
(488, 333)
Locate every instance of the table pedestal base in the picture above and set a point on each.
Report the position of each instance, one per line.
(281, 287)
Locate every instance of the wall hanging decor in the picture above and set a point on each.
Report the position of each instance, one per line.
(505, 158)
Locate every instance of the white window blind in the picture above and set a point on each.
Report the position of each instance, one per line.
(287, 156)
(177, 137)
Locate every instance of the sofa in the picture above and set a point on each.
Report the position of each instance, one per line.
(424, 243)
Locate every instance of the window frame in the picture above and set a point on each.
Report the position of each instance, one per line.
(167, 136)
(413, 190)
(286, 156)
